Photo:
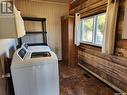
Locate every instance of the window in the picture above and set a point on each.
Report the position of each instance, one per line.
(93, 29)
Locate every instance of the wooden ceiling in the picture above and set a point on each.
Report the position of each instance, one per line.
(59, 1)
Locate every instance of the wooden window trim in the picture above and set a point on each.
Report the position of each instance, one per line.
(91, 45)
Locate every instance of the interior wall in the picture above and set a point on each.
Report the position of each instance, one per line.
(121, 44)
(88, 7)
(7, 47)
(112, 68)
(52, 12)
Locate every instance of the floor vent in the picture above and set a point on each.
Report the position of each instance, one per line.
(86, 75)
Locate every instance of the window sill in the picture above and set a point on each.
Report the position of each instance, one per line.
(90, 44)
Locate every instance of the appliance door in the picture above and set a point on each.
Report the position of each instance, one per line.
(37, 80)
(38, 48)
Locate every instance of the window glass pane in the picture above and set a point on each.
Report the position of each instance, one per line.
(87, 29)
(93, 29)
(100, 29)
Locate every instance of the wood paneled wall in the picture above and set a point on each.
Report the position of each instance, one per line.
(112, 68)
(121, 44)
(88, 7)
(52, 12)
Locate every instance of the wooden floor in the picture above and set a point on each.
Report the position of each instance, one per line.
(76, 81)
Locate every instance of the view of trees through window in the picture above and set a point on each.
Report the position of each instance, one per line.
(93, 29)
(88, 28)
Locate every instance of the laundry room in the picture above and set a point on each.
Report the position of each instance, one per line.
(63, 47)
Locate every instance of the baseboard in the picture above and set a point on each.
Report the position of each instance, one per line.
(103, 80)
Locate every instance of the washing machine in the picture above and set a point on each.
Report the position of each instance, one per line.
(35, 48)
(35, 73)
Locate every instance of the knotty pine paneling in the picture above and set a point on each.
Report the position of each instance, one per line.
(106, 67)
(112, 68)
(52, 12)
(89, 7)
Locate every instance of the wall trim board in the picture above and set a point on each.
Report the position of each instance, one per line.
(103, 80)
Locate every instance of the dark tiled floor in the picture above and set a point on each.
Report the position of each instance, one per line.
(76, 81)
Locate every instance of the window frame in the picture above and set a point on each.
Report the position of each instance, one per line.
(82, 28)
(95, 23)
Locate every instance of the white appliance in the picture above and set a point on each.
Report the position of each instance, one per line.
(35, 73)
(36, 48)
